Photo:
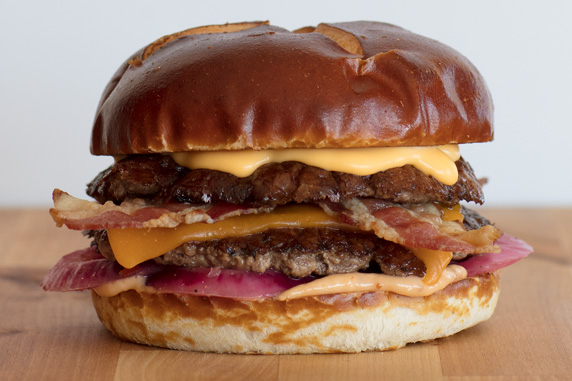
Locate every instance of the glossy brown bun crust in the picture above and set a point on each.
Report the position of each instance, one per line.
(325, 324)
(258, 86)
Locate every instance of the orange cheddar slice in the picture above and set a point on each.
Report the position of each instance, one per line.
(132, 246)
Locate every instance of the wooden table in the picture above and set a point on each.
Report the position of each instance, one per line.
(58, 336)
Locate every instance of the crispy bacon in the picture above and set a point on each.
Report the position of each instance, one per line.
(80, 214)
(411, 225)
(419, 225)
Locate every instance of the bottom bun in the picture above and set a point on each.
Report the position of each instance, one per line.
(322, 324)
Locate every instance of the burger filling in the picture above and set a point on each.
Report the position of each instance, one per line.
(293, 251)
(157, 221)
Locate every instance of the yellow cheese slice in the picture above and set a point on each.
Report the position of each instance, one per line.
(132, 246)
(437, 161)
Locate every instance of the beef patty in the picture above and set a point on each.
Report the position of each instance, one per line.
(293, 251)
(159, 179)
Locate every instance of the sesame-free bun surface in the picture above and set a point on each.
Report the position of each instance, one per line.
(258, 86)
(325, 324)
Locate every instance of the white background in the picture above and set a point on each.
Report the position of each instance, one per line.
(56, 58)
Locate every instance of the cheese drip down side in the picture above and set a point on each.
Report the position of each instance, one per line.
(436, 161)
(360, 282)
(435, 260)
(435, 263)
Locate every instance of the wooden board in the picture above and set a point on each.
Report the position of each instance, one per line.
(58, 335)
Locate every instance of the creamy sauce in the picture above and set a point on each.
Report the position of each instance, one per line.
(358, 282)
(437, 161)
(132, 283)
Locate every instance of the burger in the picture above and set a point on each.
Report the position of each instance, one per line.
(287, 192)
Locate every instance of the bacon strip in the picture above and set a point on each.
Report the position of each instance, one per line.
(418, 225)
(80, 214)
(414, 226)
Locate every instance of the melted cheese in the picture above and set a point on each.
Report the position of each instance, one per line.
(435, 262)
(132, 283)
(451, 213)
(358, 282)
(132, 246)
(437, 161)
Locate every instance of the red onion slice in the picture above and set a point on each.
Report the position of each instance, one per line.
(512, 250)
(236, 284)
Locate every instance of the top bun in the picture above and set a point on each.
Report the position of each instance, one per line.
(258, 86)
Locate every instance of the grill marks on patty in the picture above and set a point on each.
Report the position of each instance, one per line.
(299, 253)
(160, 179)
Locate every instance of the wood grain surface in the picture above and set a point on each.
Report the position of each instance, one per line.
(57, 336)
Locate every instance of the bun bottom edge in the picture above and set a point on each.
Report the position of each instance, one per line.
(341, 323)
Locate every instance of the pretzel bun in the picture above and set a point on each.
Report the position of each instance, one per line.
(325, 324)
(258, 86)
